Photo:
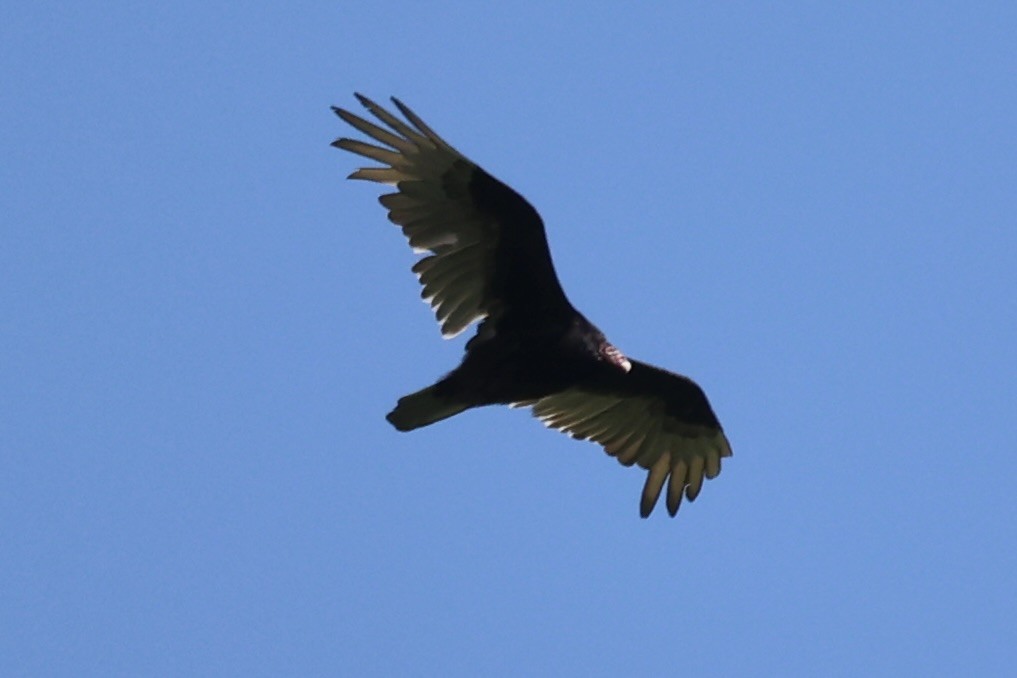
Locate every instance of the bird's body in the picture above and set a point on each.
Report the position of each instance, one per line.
(516, 366)
(487, 259)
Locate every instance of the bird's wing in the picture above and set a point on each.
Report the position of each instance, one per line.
(647, 416)
(486, 249)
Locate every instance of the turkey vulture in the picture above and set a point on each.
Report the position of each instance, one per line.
(487, 259)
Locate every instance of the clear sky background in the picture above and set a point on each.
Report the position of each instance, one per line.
(807, 208)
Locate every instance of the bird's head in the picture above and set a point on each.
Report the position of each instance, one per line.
(612, 355)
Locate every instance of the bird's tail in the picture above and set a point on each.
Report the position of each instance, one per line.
(422, 409)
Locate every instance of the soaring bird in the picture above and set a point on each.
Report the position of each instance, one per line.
(487, 260)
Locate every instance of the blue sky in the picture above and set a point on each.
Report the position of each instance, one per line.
(807, 208)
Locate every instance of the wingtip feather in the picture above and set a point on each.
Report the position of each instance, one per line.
(676, 486)
(654, 484)
(694, 478)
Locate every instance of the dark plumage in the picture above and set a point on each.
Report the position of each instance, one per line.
(488, 260)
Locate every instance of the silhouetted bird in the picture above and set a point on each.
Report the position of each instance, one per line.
(488, 260)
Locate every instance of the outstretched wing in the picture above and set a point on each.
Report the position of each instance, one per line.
(487, 253)
(647, 416)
